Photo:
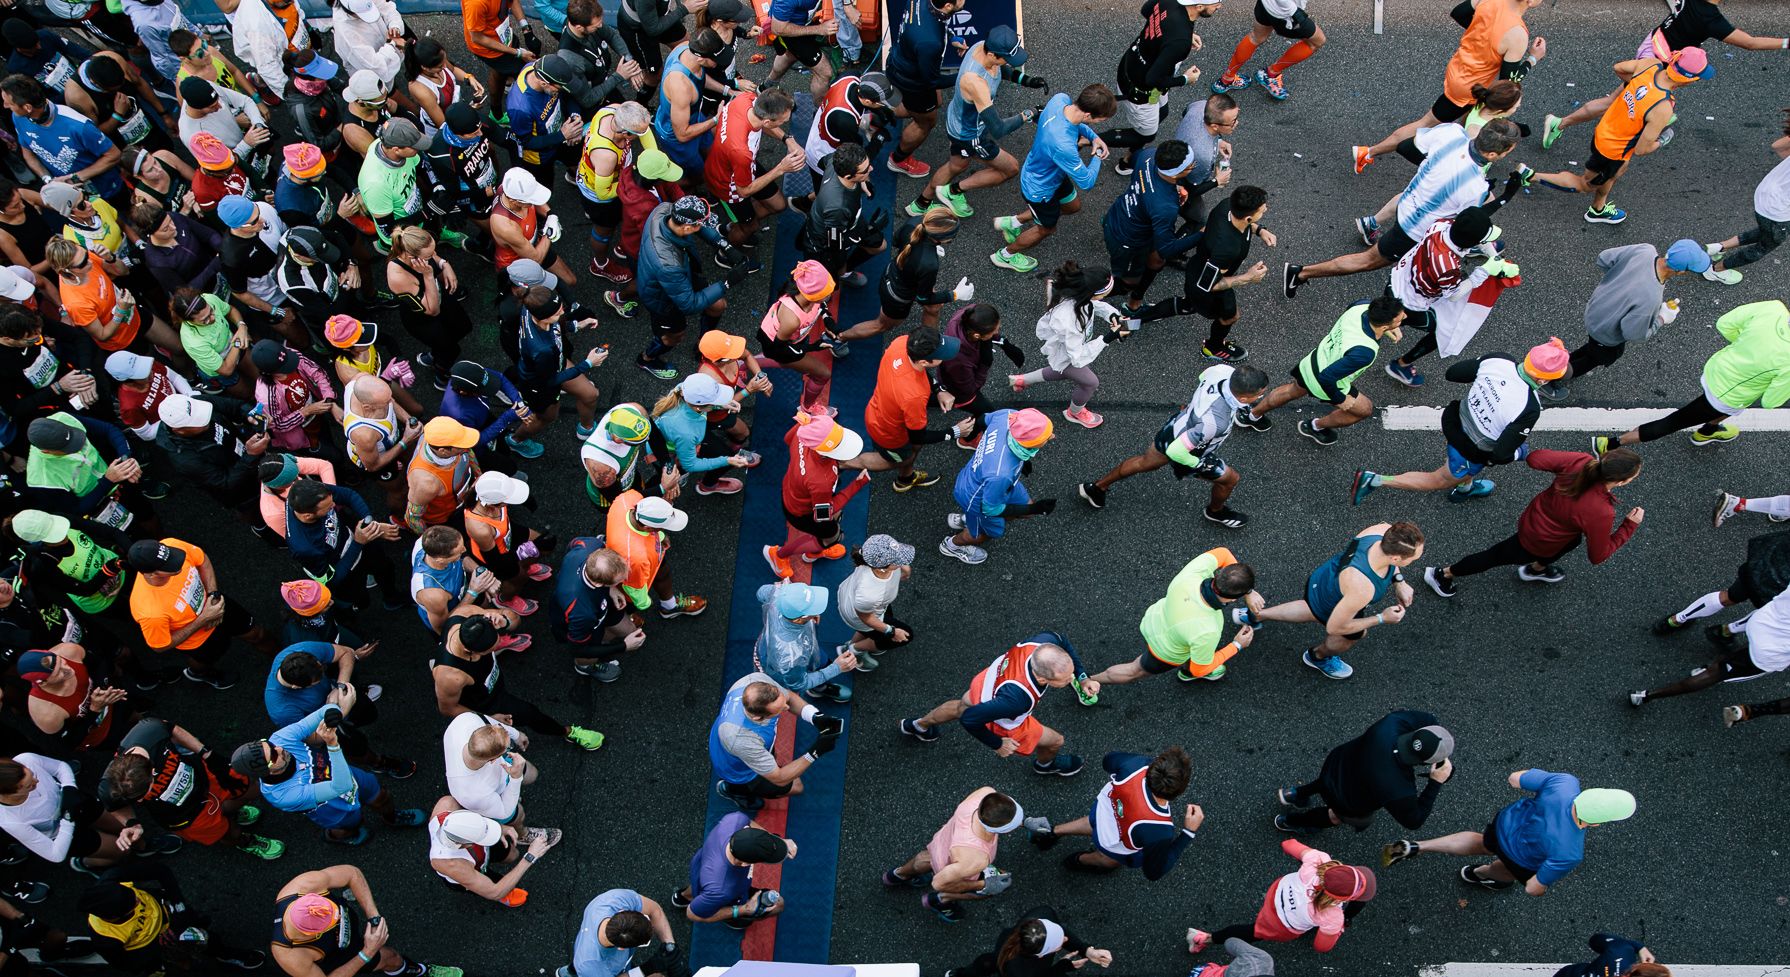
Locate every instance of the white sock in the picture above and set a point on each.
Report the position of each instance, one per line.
(668, 603)
(1773, 505)
(1701, 607)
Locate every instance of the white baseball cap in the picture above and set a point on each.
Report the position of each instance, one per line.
(469, 828)
(126, 365)
(17, 283)
(519, 184)
(660, 514)
(179, 410)
(702, 390)
(496, 488)
(364, 9)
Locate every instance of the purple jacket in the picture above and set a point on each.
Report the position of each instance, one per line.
(964, 374)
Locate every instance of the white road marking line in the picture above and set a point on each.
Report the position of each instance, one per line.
(1605, 419)
(1548, 969)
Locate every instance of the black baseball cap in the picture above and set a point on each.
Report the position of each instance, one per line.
(197, 92)
(468, 377)
(155, 556)
(1426, 745)
(309, 242)
(272, 356)
(462, 120)
(49, 434)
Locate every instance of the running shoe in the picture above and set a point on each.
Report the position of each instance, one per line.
(1722, 435)
(604, 672)
(411, 817)
(33, 893)
(1073, 863)
(659, 369)
(521, 605)
(1321, 435)
(1403, 374)
(539, 571)
(866, 661)
(80, 865)
(247, 814)
(959, 204)
(524, 447)
(833, 552)
(624, 307)
(1025, 264)
(515, 898)
(585, 739)
(955, 520)
(1276, 86)
(913, 729)
(1282, 823)
(947, 911)
(1247, 419)
(1548, 574)
(1289, 797)
(240, 958)
(1554, 391)
(1039, 833)
(1362, 158)
(1666, 626)
(854, 279)
(1726, 505)
(1610, 214)
(830, 692)
(1063, 765)
(515, 642)
(1332, 667)
(910, 167)
(1197, 940)
(1369, 229)
(1126, 166)
(1397, 852)
(918, 479)
(1638, 698)
(1725, 641)
(1092, 494)
(917, 208)
(1083, 416)
(679, 900)
(779, 566)
(1479, 488)
(972, 555)
(1009, 226)
(1227, 352)
(222, 681)
(1735, 714)
(1017, 381)
(1443, 586)
(1214, 675)
(1242, 615)
(1601, 445)
(613, 270)
(1227, 517)
(968, 444)
(360, 837)
(266, 849)
(1228, 82)
(685, 605)
(1363, 487)
(584, 432)
(744, 802)
(1550, 131)
(726, 485)
(1723, 276)
(1289, 280)
(1469, 876)
(894, 881)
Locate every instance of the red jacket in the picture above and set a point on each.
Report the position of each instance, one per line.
(1554, 521)
(638, 199)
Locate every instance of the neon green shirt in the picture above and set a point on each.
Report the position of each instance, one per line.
(1182, 626)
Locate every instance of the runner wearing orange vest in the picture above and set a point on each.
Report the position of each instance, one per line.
(997, 709)
(502, 543)
(1132, 821)
(440, 475)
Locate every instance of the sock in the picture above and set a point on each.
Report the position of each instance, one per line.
(1701, 607)
(1776, 505)
(956, 190)
(1376, 479)
(1245, 50)
(1738, 625)
(668, 603)
(899, 157)
(924, 200)
(1775, 708)
(655, 348)
(1295, 54)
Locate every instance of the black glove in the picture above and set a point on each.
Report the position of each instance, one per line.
(219, 765)
(1031, 81)
(828, 724)
(737, 274)
(1025, 468)
(1513, 184)
(1013, 352)
(876, 222)
(1044, 507)
(534, 44)
(822, 747)
(71, 799)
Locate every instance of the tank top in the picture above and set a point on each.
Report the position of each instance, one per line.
(485, 674)
(1128, 802)
(499, 524)
(662, 114)
(1324, 590)
(594, 187)
(445, 92)
(75, 704)
(455, 476)
(1013, 668)
(1620, 128)
(368, 363)
(821, 142)
(338, 946)
(529, 222)
(1477, 61)
(133, 122)
(352, 421)
(810, 327)
(960, 832)
(32, 232)
(962, 118)
(451, 578)
(1345, 336)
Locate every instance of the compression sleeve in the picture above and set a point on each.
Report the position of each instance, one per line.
(995, 126)
(1463, 14)
(1408, 149)
(1162, 847)
(1514, 70)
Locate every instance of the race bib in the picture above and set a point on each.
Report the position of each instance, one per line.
(114, 515)
(134, 125)
(57, 73)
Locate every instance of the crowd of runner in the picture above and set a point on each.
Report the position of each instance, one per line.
(239, 277)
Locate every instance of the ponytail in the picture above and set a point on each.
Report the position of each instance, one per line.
(1617, 465)
(667, 401)
(1500, 96)
(1026, 939)
(938, 220)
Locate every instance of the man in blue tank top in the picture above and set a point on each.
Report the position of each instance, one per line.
(1339, 593)
(744, 732)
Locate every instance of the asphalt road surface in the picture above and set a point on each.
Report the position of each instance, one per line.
(1525, 675)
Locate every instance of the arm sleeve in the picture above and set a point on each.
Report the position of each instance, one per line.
(1009, 703)
(997, 126)
(1510, 441)
(1412, 811)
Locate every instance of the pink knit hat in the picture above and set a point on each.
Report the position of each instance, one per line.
(312, 913)
(1549, 361)
(812, 280)
(1029, 427)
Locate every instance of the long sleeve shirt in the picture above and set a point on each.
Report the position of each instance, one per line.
(261, 42)
(1554, 521)
(1144, 216)
(1364, 774)
(301, 791)
(1010, 702)
(917, 59)
(37, 823)
(1056, 153)
(326, 549)
(1161, 844)
(1069, 341)
(684, 428)
(194, 260)
(361, 45)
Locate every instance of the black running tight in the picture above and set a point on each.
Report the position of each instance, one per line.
(1699, 413)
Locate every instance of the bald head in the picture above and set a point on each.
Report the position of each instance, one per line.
(372, 392)
(1053, 665)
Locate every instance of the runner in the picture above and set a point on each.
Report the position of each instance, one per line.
(475, 854)
(1628, 305)
(1445, 298)
(671, 282)
(1377, 770)
(614, 132)
(1576, 507)
(843, 229)
(1499, 100)
(1763, 649)
(911, 276)
(683, 129)
(1132, 821)
(1054, 173)
(1072, 332)
(1329, 371)
(164, 773)
(1754, 368)
(1139, 227)
(997, 709)
(1489, 426)
(858, 109)
(746, 194)
(796, 331)
(1037, 945)
(327, 921)
(958, 864)
(721, 889)
(915, 64)
(1189, 442)
(1340, 591)
(1536, 841)
(1215, 271)
(1324, 894)
(1771, 212)
(1496, 46)
(804, 34)
(975, 129)
(300, 768)
(788, 645)
(1207, 127)
(988, 490)
(744, 732)
(813, 502)
(1151, 68)
(1181, 630)
(896, 416)
(638, 528)
(1286, 18)
(1636, 124)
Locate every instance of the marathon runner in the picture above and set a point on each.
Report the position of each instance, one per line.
(1771, 214)
(1329, 371)
(975, 128)
(1728, 505)
(1286, 18)
(1053, 173)
(1628, 305)
(997, 709)
(1139, 227)
(958, 864)
(1764, 649)
(1215, 271)
(1445, 296)
(988, 490)
(1339, 592)
(915, 64)
(1132, 821)
(1181, 630)
(1151, 68)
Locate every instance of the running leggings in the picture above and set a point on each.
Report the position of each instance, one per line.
(1699, 413)
(1507, 552)
(1180, 306)
(1776, 707)
(523, 713)
(1083, 377)
(1424, 346)
(1593, 355)
(1759, 242)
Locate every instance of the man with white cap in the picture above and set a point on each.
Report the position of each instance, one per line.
(1536, 840)
(524, 227)
(440, 475)
(390, 193)
(499, 538)
(639, 529)
(958, 864)
(788, 647)
(467, 849)
(143, 383)
(744, 733)
(214, 445)
(1379, 770)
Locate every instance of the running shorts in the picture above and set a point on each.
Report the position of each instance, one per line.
(1048, 212)
(806, 49)
(979, 147)
(1332, 397)
(1128, 264)
(603, 213)
(1216, 306)
(1026, 734)
(1298, 27)
(343, 813)
(1601, 169)
(211, 824)
(919, 101)
(905, 452)
(1460, 467)
(1153, 663)
(781, 350)
(1321, 610)
(760, 787)
(1522, 872)
(896, 303)
(979, 523)
(1144, 117)
(827, 533)
(1446, 111)
(1740, 667)
(505, 65)
(667, 323)
(1131, 859)
(1210, 469)
(1394, 243)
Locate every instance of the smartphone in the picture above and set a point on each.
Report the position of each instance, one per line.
(823, 512)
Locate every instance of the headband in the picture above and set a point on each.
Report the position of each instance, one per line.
(1186, 164)
(1019, 817)
(137, 165)
(1053, 937)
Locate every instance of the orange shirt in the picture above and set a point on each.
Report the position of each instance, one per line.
(93, 301)
(1620, 128)
(898, 405)
(643, 551)
(289, 18)
(486, 17)
(161, 611)
(1477, 61)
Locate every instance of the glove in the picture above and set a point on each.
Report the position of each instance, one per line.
(1031, 81)
(1667, 314)
(995, 881)
(965, 290)
(1014, 353)
(71, 799)
(1501, 268)
(551, 227)
(1025, 468)
(736, 275)
(1044, 507)
(1513, 185)
(876, 223)
(399, 372)
(219, 765)
(822, 747)
(828, 724)
(528, 550)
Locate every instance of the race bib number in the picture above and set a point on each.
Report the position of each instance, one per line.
(115, 515)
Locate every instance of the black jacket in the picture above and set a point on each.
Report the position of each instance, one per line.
(215, 462)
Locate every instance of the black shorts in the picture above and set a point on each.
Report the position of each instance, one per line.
(1522, 872)
(1394, 243)
(827, 532)
(237, 621)
(919, 101)
(1216, 306)
(667, 323)
(760, 787)
(896, 304)
(883, 641)
(1738, 667)
(1047, 212)
(1319, 394)
(603, 213)
(982, 147)
(537, 398)
(781, 351)
(1602, 169)
(1210, 469)
(646, 48)
(807, 49)
(506, 65)
(1156, 666)
(1446, 111)
(905, 453)
(1297, 27)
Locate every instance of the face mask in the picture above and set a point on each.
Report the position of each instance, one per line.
(1021, 451)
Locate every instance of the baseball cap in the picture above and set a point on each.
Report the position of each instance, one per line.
(364, 86)
(180, 410)
(38, 526)
(197, 93)
(575, 79)
(210, 151)
(691, 210)
(316, 68)
(16, 286)
(304, 160)
(528, 271)
(467, 377)
(1601, 805)
(1690, 64)
(756, 846)
(61, 197)
(272, 356)
(470, 828)
(35, 666)
(927, 344)
(126, 365)
(309, 242)
(1549, 361)
(702, 390)
(1687, 255)
(880, 89)
(496, 488)
(655, 165)
(628, 423)
(519, 184)
(829, 438)
(344, 331)
(1030, 427)
(236, 210)
(1426, 745)
(306, 597)
(796, 599)
(462, 120)
(477, 633)
(364, 9)
(660, 514)
(50, 434)
(729, 10)
(1351, 883)
(400, 133)
(718, 345)
(1004, 44)
(554, 68)
(445, 432)
(155, 556)
(882, 551)
(19, 33)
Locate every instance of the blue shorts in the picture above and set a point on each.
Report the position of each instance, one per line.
(979, 523)
(1460, 467)
(1129, 860)
(688, 155)
(343, 812)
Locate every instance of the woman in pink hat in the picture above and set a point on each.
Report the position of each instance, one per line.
(795, 331)
(1322, 895)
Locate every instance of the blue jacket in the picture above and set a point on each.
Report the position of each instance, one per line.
(480, 414)
(1056, 153)
(326, 549)
(1143, 217)
(667, 274)
(992, 474)
(917, 59)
